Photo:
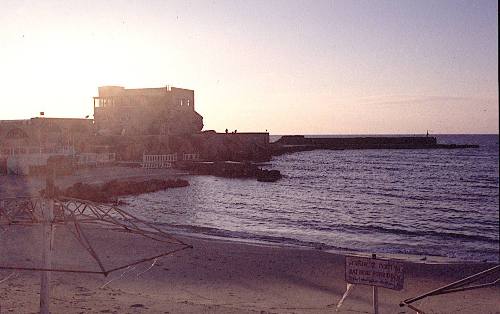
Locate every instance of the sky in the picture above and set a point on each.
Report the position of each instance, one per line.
(289, 67)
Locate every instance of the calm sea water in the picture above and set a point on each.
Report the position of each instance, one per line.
(418, 202)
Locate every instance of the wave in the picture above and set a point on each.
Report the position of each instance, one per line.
(421, 233)
(355, 247)
(252, 236)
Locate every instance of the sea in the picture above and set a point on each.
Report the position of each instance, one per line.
(420, 203)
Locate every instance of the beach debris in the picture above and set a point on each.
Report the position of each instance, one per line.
(348, 290)
(137, 305)
(147, 269)
(128, 271)
(122, 275)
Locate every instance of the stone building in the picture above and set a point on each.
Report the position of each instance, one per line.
(146, 111)
(131, 124)
(40, 135)
(26, 146)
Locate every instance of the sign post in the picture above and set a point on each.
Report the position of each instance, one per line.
(374, 272)
(375, 293)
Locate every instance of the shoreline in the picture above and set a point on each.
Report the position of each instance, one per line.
(101, 175)
(410, 258)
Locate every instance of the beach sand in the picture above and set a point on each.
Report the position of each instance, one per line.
(218, 276)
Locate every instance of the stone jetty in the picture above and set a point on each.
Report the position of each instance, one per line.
(296, 143)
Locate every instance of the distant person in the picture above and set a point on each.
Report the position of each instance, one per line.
(227, 131)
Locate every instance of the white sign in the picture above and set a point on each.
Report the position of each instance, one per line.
(374, 272)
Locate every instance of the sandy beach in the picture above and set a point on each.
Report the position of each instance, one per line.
(219, 276)
(215, 276)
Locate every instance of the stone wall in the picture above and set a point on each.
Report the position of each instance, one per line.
(234, 146)
(210, 146)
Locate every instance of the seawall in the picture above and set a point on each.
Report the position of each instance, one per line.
(295, 143)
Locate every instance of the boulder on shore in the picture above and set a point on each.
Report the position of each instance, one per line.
(264, 175)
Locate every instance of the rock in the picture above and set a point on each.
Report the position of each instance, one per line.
(137, 305)
(230, 169)
(268, 175)
(109, 191)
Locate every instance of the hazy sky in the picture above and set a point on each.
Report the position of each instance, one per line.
(286, 66)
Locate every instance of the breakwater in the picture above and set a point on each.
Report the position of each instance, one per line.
(296, 143)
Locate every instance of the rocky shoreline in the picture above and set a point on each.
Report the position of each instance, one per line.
(111, 190)
(231, 169)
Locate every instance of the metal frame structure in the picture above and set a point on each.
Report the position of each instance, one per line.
(74, 213)
(457, 286)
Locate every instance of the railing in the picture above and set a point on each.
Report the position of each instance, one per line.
(191, 156)
(158, 161)
(95, 158)
(458, 286)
